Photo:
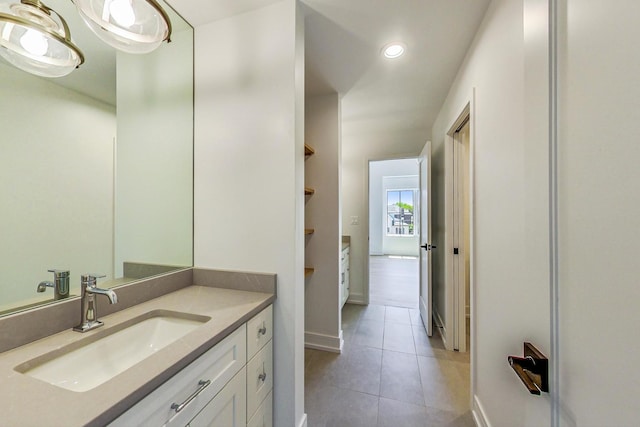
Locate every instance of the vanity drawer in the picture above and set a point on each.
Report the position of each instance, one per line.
(259, 378)
(217, 366)
(228, 408)
(264, 415)
(259, 331)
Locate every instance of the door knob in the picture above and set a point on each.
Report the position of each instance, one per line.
(428, 247)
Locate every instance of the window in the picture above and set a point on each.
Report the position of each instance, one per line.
(400, 218)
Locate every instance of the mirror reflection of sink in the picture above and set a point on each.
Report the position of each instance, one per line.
(91, 361)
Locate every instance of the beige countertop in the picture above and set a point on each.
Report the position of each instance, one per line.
(27, 401)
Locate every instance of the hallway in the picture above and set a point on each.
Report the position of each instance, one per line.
(390, 373)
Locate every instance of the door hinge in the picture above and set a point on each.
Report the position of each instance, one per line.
(455, 251)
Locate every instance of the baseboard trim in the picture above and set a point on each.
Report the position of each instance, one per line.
(323, 342)
(440, 326)
(356, 299)
(479, 415)
(303, 421)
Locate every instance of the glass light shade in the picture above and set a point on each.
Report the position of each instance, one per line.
(36, 39)
(133, 26)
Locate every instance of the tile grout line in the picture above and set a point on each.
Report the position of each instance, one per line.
(382, 359)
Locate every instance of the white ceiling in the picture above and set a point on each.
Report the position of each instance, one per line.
(396, 98)
(344, 39)
(343, 43)
(204, 11)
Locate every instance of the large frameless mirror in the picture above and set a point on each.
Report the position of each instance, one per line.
(96, 169)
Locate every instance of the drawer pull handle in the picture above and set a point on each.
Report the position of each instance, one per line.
(202, 385)
(262, 377)
(262, 331)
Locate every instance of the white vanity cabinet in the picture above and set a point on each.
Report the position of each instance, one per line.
(344, 276)
(225, 387)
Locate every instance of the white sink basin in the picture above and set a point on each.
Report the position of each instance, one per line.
(90, 362)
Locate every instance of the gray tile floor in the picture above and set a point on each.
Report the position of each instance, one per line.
(390, 373)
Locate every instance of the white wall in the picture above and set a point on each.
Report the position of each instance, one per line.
(249, 155)
(599, 201)
(56, 184)
(154, 188)
(511, 271)
(322, 213)
(388, 175)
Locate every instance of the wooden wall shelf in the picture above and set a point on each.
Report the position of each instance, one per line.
(308, 151)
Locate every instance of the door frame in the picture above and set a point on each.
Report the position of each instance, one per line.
(365, 290)
(455, 307)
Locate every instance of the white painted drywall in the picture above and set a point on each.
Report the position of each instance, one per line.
(389, 175)
(154, 188)
(322, 213)
(510, 242)
(56, 184)
(249, 157)
(599, 201)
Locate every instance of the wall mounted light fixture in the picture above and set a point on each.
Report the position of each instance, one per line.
(36, 39)
(133, 26)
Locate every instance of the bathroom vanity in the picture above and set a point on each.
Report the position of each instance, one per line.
(213, 365)
(226, 386)
(344, 270)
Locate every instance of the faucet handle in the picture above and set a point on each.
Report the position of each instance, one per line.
(90, 279)
(59, 274)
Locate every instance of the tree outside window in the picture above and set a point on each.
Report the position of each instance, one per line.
(400, 218)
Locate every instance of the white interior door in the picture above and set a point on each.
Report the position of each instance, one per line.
(426, 247)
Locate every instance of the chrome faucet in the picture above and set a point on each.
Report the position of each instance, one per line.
(89, 316)
(60, 284)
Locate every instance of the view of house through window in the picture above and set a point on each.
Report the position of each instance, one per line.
(400, 218)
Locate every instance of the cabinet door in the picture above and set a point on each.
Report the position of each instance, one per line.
(259, 378)
(259, 331)
(228, 408)
(264, 415)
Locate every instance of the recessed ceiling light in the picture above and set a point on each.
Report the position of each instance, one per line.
(393, 50)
